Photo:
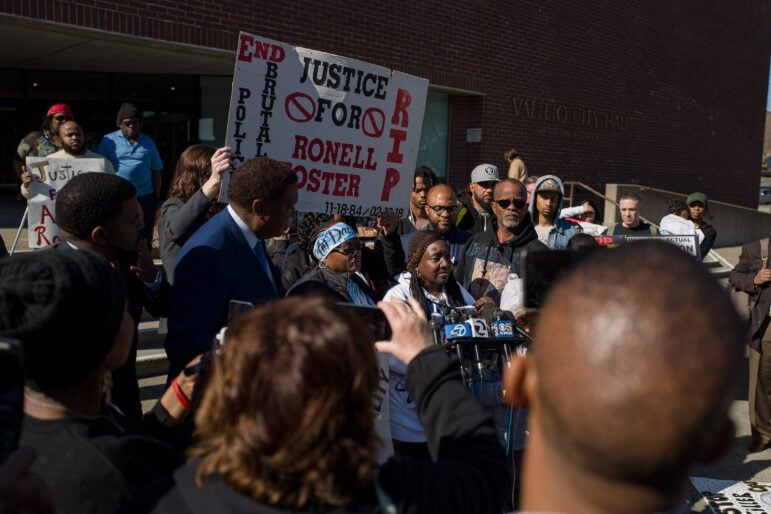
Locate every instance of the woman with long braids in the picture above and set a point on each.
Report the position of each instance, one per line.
(429, 280)
(429, 277)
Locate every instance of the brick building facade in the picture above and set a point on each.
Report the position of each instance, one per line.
(660, 93)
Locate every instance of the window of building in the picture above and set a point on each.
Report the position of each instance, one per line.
(432, 151)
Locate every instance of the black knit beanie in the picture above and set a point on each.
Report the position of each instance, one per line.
(66, 308)
(128, 111)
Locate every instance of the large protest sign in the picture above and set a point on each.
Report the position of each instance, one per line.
(689, 244)
(349, 129)
(50, 175)
(731, 497)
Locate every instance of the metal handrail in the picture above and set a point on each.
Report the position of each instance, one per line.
(573, 184)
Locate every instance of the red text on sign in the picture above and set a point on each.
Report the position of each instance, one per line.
(334, 152)
(400, 118)
(327, 182)
(250, 48)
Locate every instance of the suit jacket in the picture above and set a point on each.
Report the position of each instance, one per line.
(215, 266)
(742, 279)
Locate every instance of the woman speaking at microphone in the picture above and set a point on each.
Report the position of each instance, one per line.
(429, 280)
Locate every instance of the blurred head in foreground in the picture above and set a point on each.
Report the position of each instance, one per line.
(287, 415)
(629, 382)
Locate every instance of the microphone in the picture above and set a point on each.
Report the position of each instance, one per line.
(503, 329)
(436, 327)
(455, 330)
(478, 329)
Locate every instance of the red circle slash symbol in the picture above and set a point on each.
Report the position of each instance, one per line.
(300, 107)
(373, 122)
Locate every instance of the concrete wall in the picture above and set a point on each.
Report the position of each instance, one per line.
(735, 224)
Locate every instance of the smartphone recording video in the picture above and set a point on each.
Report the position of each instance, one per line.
(544, 269)
(372, 317)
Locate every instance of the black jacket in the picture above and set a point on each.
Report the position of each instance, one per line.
(380, 264)
(471, 220)
(125, 384)
(469, 475)
(484, 255)
(330, 283)
(709, 238)
(94, 464)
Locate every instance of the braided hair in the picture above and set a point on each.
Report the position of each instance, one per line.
(417, 248)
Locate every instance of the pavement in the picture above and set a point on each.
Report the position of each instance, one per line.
(738, 465)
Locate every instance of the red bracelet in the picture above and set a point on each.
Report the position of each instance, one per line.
(180, 394)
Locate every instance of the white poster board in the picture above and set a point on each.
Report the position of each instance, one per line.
(349, 129)
(732, 497)
(50, 175)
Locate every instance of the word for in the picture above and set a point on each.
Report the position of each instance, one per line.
(338, 76)
(301, 107)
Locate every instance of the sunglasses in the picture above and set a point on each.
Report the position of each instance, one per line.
(348, 250)
(504, 204)
(439, 209)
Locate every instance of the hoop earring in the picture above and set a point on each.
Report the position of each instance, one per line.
(323, 264)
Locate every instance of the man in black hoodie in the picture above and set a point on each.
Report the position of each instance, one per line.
(488, 258)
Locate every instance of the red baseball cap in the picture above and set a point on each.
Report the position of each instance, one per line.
(60, 109)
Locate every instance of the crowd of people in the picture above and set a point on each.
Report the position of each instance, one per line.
(268, 405)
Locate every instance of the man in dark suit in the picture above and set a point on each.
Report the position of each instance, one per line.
(753, 276)
(100, 212)
(226, 260)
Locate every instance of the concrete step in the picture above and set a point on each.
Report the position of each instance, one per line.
(151, 356)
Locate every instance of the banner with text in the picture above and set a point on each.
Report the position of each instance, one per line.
(689, 244)
(50, 175)
(730, 496)
(349, 129)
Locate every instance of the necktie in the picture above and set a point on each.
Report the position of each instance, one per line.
(262, 256)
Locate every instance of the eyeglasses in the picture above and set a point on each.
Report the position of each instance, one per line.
(504, 204)
(439, 209)
(61, 118)
(130, 123)
(348, 250)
